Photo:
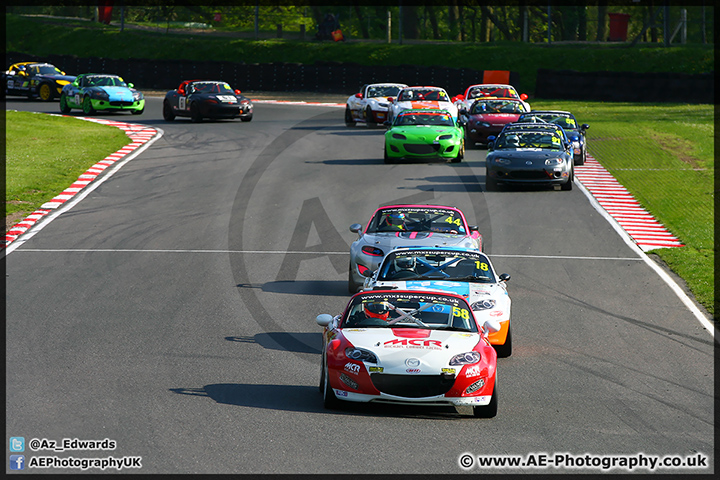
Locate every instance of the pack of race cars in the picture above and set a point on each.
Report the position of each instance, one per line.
(428, 315)
(92, 92)
(424, 122)
(431, 315)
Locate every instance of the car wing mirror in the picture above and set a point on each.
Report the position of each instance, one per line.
(355, 228)
(473, 228)
(324, 319)
(504, 277)
(488, 326)
(584, 126)
(367, 273)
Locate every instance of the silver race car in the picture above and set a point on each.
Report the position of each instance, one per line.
(406, 226)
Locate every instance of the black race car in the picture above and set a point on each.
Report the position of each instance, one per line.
(200, 99)
(35, 79)
(574, 131)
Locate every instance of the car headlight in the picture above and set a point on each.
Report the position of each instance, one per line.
(554, 161)
(467, 358)
(484, 304)
(360, 355)
(445, 137)
(502, 161)
(372, 251)
(137, 96)
(100, 94)
(399, 136)
(384, 105)
(485, 125)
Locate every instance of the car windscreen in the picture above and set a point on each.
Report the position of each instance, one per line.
(432, 264)
(497, 106)
(46, 70)
(417, 219)
(409, 310)
(103, 81)
(436, 119)
(382, 91)
(211, 87)
(420, 94)
(529, 139)
(564, 121)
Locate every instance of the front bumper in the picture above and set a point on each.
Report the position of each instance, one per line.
(548, 175)
(220, 110)
(117, 105)
(409, 149)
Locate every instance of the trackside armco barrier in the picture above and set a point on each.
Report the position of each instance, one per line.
(141, 137)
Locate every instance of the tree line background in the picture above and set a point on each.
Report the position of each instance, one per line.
(649, 21)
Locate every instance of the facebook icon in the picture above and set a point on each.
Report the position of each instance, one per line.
(17, 462)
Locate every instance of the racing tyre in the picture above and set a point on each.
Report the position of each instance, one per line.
(45, 92)
(246, 119)
(322, 375)
(352, 286)
(460, 155)
(168, 114)
(386, 158)
(491, 184)
(349, 122)
(583, 157)
(369, 118)
(489, 410)
(137, 112)
(505, 350)
(195, 115)
(87, 106)
(64, 108)
(567, 186)
(330, 401)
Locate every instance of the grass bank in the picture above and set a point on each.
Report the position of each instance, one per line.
(42, 37)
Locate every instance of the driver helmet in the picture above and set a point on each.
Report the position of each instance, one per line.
(512, 140)
(396, 220)
(377, 310)
(405, 263)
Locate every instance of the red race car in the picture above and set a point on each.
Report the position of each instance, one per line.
(409, 347)
(488, 117)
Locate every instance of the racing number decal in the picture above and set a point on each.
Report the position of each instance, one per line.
(181, 103)
(459, 312)
(454, 221)
(482, 266)
(77, 99)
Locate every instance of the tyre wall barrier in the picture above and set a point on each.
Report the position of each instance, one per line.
(330, 77)
(626, 86)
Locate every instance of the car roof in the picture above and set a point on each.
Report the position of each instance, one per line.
(418, 111)
(554, 112)
(396, 292)
(416, 205)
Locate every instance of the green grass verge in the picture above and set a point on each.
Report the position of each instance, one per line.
(664, 154)
(46, 153)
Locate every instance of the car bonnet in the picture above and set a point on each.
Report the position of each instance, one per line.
(118, 93)
(398, 348)
(390, 240)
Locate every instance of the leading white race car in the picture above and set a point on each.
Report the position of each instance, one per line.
(488, 91)
(422, 97)
(408, 347)
(371, 103)
(467, 273)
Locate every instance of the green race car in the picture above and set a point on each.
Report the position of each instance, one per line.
(93, 91)
(424, 133)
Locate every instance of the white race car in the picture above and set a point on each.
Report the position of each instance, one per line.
(408, 348)
(488, 91)
(422, 97)
(467, 273)
(371, 103)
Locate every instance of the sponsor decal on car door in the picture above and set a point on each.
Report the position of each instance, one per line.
(181, 103)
